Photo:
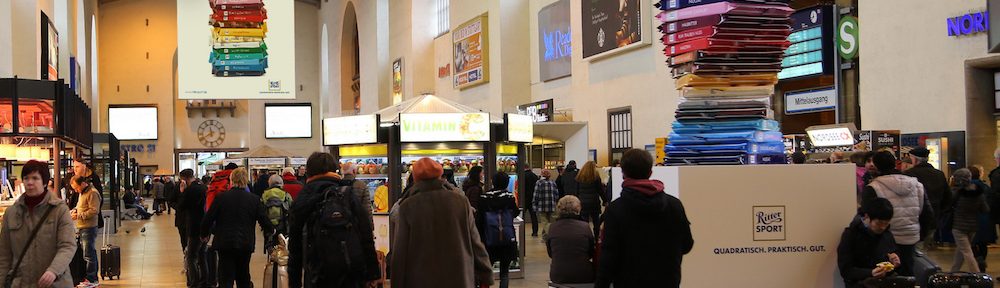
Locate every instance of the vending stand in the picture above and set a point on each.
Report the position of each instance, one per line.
(380, 149)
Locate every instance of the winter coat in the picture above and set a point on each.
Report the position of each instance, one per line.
(986, 232)
(472, 191)
(193, 205)
(220, 183)
(592, 196)
(645, 238)
(292, 185)
(570, 244)
(995, 186)
(969, 203)
(907, 197)
(88, 209)
(231, 219)
(159, 190)
(860, 250)
(567, 183)
(261, 184)
(301, 213)
(497, 200)
(546, 196)
(529, 189)
(935, 187)
(52, 249)
(360, 190)
(170, 191)
(434, 224)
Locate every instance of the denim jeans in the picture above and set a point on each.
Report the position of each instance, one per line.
(88, 239)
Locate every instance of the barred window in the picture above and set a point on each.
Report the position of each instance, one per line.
(443, 16)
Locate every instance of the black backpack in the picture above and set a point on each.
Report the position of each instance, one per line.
(333, 240)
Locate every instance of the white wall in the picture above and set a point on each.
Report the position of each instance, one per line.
(911, 68)
(6, 41)
(373, 29)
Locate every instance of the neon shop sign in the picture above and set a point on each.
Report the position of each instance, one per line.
(967, 24)
(557, 45)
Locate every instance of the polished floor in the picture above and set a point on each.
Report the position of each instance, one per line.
(153, 258)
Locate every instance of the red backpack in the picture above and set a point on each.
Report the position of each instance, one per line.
(219, 184)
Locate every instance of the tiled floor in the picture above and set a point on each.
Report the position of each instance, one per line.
(153, 258)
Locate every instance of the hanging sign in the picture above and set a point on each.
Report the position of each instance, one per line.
(362, 129)
(266, 161)
(810, 101)
(444, 127)
(520, 128)
(847, 37)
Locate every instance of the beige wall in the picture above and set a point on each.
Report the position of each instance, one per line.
(373, 29)
(124, 40)
(911, 68)
(6, 32)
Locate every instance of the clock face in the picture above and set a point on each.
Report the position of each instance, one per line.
(211, 133)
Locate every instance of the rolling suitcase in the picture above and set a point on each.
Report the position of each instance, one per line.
(111, 259)
(211, 258)
(960, 280)
(923, 268)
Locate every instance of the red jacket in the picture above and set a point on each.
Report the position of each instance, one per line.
(219, 184)
(292, 185)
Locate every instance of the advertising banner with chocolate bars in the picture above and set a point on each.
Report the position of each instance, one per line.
(247, 50)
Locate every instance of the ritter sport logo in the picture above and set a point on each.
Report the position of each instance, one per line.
(769, 223)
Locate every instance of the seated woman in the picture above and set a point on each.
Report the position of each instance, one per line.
(570, 244)
(867, 244)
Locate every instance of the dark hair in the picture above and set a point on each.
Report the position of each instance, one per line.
(798, 157)
(79, 181)
(41, 168)
(187, 174)
(232, 166)
(637, 164)
(475, 176)
(320, 163)
(976, 172)
(877, 208)
(449, 175)
(500, 181)
(858, 158)
(885, 162)
(409, 183)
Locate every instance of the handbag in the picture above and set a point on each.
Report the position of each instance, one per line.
(9, 281)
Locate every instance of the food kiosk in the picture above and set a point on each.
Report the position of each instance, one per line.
(380, 149)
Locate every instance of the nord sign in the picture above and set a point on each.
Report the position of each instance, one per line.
(969, 24)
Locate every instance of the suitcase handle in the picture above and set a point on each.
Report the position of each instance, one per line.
(106, 219)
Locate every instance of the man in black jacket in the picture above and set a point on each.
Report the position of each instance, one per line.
(646, 231)
(529, 193)
(567, 180)
(192, 207)
(231, 219)
(866, 243)
(995, 185)
(935, 186)
(304, 268)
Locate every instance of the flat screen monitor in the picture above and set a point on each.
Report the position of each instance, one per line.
(133, 123)
(288, 121)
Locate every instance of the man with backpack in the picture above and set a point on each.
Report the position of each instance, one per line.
(276, 203)
(331, 244)
(434, 224)
(192, 205)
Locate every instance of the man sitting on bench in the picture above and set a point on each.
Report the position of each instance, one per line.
(131, 202)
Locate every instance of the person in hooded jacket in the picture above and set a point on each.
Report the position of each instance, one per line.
(307, 269)
(231, 220)
(646, 231)
(907, 197)
(292, 184)
(970, 201)
(866, 243)
(499, 199)
(567, 180)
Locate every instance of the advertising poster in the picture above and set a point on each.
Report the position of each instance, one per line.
(471, 51)
(50, 57)
(397, 80)
(236, 49)
(541, 111)
(554, 49)
(609, 25)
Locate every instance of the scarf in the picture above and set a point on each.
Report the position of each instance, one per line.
(647, 187)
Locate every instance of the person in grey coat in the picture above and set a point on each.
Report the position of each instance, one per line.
(435, 242)
(970, 201)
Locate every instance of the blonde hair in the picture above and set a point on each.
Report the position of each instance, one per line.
(288, 170)
(588, 174)
(569, 205)
(239, 178)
